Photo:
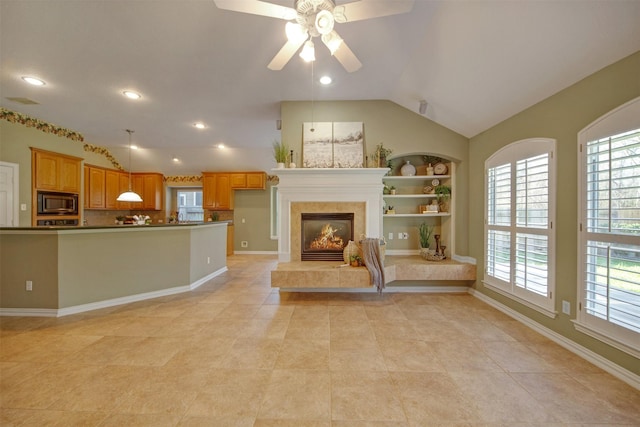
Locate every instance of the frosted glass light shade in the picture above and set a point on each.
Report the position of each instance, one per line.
(129, 196)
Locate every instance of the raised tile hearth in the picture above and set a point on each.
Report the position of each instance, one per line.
(331, 274)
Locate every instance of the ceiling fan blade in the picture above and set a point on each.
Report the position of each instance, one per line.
(288, 50)
(257, 7)
(367, 9)
(347, 58)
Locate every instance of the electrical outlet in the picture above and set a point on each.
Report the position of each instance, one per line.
(243, 221)
(244, 244)
(566, 307)
(390, 235)
(208, 260)
(400, 236)
(405, 236)
(29, 285)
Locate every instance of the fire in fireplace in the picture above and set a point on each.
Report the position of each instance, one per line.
(324, 235)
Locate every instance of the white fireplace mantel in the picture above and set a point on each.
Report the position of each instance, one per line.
(327, 185)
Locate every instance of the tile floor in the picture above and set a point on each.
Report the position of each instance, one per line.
(237, 353)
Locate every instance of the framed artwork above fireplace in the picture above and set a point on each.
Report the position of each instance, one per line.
(332, 145)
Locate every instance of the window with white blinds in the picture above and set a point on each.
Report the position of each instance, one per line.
(520, 239)
(610, 236)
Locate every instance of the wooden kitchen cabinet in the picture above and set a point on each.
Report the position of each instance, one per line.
(248, 180)
(55, 172)
(111, 188)
(150, 187)
(256, 180)
(95, 180)
(216, 191)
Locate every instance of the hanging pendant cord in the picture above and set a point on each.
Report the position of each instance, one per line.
(129, 131)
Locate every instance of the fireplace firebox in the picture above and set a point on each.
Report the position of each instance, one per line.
(325, 235)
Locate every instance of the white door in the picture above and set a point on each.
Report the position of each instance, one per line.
(8, 194)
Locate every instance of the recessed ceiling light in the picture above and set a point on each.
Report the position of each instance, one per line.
(33, 81)
(176, 160)
(220, 146)
(199, 125)
(325, 80)
(131, 94)
(134, 147)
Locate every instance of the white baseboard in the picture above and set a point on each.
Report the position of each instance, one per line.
(52, 312)
(388, 290)
(255, 252)
(616, 370)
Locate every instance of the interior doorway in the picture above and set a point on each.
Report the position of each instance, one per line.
(9, 194)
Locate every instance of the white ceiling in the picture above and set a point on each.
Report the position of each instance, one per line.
(476, 62)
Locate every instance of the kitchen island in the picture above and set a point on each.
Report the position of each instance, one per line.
(76, 269)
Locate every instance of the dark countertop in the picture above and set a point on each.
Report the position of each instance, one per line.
(100, 227)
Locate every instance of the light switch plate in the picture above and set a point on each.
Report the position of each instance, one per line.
(566, 307)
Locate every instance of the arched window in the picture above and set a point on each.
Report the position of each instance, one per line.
(519, 216)
(609, 235)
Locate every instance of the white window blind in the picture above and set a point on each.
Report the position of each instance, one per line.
(519, 228)
(612, 235)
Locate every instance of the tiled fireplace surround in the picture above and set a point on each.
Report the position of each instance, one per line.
(327, 190)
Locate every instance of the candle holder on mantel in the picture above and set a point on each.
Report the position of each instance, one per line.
(439, 253)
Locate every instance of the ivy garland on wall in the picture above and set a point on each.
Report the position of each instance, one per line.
(13, 117)
(183, 178)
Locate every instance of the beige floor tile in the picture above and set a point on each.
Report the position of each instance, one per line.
(189, 421)
(433, 397)
(464, 356)
(498, 398)
(515, 357)
(406, 355)
(365, 396)
(308, 329)
(563, 397)
(303, 354)
(297, 395)
(39, 417)
(291, 423)
(236, 352)
(150, 420)
(252, 353)
(265, 328)
(348, 330)
(42, 390)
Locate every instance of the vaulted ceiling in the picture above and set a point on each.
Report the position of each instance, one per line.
(476, 63)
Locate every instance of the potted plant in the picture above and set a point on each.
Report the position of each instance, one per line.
(424, 231)
(382, 154)
(392, 190)
(355, 260)
(280, 152)
(443, 193)
(119, 220)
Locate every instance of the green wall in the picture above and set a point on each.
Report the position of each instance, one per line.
(560, 117)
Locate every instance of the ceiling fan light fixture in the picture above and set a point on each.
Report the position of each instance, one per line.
(338, 15)
(324, 22)
(295, 32)
(333, 41)
(308, 52)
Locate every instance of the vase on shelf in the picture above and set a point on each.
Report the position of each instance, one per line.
(408, 169)
(429, 169)
(350, 250)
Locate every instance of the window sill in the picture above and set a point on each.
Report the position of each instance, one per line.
(606, 338)
(549, 313)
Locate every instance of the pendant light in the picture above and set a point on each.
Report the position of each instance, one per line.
(129, 196)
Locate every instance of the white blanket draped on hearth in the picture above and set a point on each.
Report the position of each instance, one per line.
(373, 261)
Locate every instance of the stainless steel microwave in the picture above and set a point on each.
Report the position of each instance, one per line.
(50, 203)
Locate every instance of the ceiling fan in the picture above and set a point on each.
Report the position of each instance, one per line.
(316, 18)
